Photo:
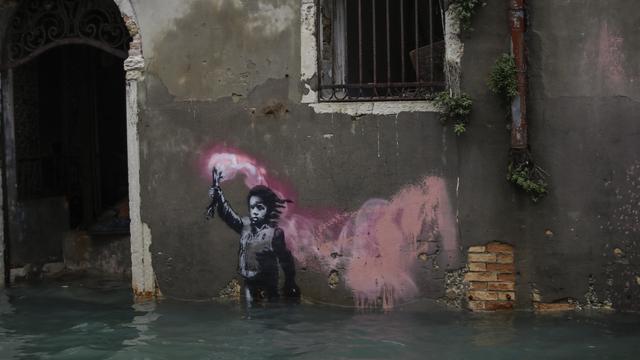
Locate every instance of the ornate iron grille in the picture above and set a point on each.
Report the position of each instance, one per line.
(380, 49)
(39, 25)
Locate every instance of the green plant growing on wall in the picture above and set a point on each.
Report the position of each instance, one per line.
(455, 109)
(528, 177)
(463, 11)
(521, 171)
(503, 79)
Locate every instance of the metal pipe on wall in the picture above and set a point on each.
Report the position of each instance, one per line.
(517, 25)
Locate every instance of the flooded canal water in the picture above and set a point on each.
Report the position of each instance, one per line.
(99, 321)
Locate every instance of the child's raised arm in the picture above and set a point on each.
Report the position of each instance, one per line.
(219, 203)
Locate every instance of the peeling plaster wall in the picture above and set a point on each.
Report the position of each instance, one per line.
(207, 50)
(219, 74)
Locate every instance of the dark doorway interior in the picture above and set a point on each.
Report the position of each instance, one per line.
(70, 147)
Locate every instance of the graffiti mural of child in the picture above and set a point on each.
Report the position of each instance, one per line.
(262, 245)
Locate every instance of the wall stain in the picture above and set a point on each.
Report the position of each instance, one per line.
(220, 48)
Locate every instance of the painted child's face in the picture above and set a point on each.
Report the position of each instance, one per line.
(257, 210)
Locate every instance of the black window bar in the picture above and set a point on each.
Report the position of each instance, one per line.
(380, 49)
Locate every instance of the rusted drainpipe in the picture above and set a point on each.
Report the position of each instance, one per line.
(517, 24)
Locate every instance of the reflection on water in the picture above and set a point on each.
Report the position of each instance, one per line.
(141, 323)
(98, 321)
(493, 329)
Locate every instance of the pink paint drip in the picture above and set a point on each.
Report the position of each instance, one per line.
(376, 246)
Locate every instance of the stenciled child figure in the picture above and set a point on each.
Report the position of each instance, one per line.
(262, 244)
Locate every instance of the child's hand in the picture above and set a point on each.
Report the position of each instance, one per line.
(214, 190)
(217, 177)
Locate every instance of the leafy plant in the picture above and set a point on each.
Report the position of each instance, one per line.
(528, 177)
(503, 79)
(463, 10)
(459, 129)
(455, 109)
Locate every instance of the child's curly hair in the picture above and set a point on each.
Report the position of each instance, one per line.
(272, 201)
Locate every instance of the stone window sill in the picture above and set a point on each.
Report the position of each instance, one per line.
(373, 107)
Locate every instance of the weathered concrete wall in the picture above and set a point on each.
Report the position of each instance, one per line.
(223, 77)
(387, 208)
(98, 254)
(580, 241)
(585, 92)
(41, 225)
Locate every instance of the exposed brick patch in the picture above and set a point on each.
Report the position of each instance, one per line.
(569, 304)
(483, 295)
(477, 249)
(504, 258)
(476, 305)
(559, 306)
(482, 285)
(481, 276)
(482, 257)
(478, 266)
(491, 277)
(502, 286)
(502, 268)
(507, 277)
(506, 296)
(496, 247)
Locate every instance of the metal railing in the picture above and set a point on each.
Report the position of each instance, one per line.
(380, 49)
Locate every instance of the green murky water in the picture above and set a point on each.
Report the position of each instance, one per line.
(98, 321)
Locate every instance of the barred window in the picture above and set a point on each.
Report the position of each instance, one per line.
(380, 49)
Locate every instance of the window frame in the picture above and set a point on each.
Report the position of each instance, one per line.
(309, 69)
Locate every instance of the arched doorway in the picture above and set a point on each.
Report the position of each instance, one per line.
(65, 115)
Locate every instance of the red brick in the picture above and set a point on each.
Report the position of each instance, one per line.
(502, 268)
(554, 306)
(506, 277)
(480, 276)
(478, 285)
(476, 305)
(477, 249)
(478, 266)
(485, 258)
(504, 286)
(483, 295)
(498, 305)
(496, 247)
(506, 296)
(504, 258)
